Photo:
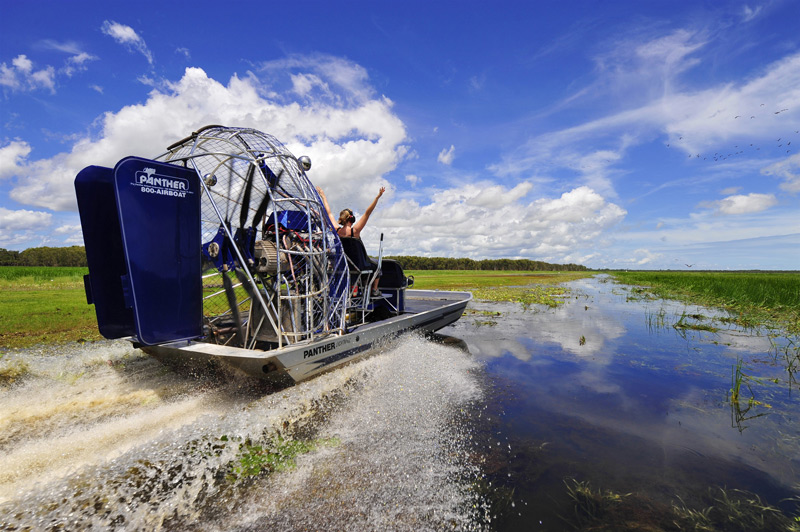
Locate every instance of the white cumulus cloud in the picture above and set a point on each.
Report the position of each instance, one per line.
(459, 222)
(21, 75)
(17, 226)
(351, 146)
(12, 157)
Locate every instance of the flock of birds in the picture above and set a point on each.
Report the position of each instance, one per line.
(782, 143)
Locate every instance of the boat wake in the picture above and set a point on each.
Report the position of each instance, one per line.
(106, 437)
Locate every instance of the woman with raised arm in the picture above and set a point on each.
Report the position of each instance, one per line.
(347, 225)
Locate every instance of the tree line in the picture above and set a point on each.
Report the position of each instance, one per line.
(44, 256)
(76, 256)
(446, 263)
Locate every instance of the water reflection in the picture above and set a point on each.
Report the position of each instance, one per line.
(633, 394)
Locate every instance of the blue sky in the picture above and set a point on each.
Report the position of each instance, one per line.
(642, 134)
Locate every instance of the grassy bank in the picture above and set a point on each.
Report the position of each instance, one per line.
(475, 279)
(527, 288)
(44, 305)
(755, 298)
(40, 277)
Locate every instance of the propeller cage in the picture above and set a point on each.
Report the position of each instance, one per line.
(263, 225)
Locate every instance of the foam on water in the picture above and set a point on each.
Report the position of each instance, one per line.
(103, 436)
(401, 462)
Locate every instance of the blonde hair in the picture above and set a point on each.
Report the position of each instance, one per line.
(345, 215)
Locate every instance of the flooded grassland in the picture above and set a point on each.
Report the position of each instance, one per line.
(590, 406)
(630, 412)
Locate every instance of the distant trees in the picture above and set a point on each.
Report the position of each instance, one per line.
(76, 256)
(446, 263)
(8, 258)
(44, 256)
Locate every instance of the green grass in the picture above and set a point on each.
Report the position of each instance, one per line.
(756, 298)
(44, 305)
(40, 277)
(30, 317)
(526, 288)
(473, 279)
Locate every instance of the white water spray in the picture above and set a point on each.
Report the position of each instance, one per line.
(106, 437)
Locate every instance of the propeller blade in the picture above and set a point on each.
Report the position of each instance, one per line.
(251, 172)
(245, 283)
(262, 208)
(229, 292)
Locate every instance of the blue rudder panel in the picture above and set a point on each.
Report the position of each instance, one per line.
(97, 204)
(159, 214)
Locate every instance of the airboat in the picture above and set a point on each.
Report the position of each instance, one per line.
(220, 251)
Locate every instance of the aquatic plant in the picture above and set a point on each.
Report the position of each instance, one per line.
(729, 510)
(739, 414)
(598, 509)
(736, 380)
(683, 323)
(656, 320)
(733, 510)
(787, 352)
(487, 316)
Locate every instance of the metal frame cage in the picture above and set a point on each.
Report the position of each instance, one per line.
(274, 272)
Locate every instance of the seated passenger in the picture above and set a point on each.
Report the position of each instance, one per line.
(347, 225)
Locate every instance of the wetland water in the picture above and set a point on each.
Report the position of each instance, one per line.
(601, 394)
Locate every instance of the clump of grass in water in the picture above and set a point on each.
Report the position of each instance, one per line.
(656, 320)
(525, 295)
(734, 510)
(487, 314)
(696, 325)
(278, 455)
(728, 510)
(738, 413)
(596, 509)
(12, 370)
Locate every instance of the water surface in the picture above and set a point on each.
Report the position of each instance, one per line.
(605, 390)
(600, 392)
